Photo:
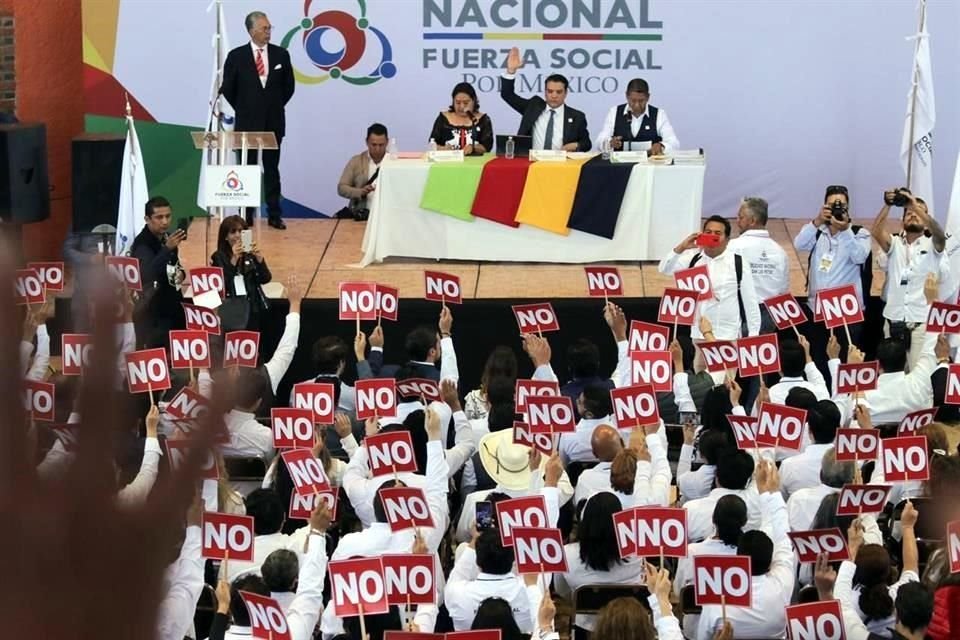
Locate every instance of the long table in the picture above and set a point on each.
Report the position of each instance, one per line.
(660, 206)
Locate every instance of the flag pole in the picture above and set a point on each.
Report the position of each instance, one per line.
(913, 89)
(128, 112)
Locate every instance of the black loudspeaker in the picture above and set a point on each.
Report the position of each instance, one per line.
(24, 187)
(97, 165)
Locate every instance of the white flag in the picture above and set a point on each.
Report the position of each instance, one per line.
(219, 114)
(952, 228)
(924, 115)
(133, 192)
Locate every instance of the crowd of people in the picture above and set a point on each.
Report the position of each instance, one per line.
(896, 582)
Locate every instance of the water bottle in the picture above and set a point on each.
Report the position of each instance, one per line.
(510, 148)
(392, 149)
(605, 148)
(432, 145)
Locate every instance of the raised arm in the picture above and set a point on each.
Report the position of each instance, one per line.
(283, 356)
(185, 582)
(507, 91)
(136, 492)
(879, 228)
(306, 606)
(448, 355)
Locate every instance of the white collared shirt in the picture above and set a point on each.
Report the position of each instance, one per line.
(467, 588)
(700, 511)
(664, 128)
(552, 497)
(183, 582)
(835, 260)
(803, 505)
(266, 61)
(576, 447)
(897, 393)
(248, 438)
(263, 546)
(767, 261)
(907, 267)
(814, 382)
(802, 471)
(592, 481)
(722, 309)
(693, 484)
(540, 129)
(627, 572)
(770, 592)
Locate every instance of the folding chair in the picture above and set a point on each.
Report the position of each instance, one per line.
(688, 601)
(591, 598)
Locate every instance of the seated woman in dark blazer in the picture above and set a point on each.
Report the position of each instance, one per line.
(250, 266)
(462, 126)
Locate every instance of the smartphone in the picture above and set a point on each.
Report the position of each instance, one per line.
(183, 224)
(484, 515)
(708, 240)
(246, 239)
(690, 416)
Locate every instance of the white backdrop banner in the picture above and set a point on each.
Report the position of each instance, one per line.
(785, 97)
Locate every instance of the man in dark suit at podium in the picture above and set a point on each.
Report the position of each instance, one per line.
(551, 123)
(258, 82)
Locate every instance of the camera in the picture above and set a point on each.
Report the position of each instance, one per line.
(899, 198)
(838, 211)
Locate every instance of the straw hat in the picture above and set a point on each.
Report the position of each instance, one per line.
(507, 463)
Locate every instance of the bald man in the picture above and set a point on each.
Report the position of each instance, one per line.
(606, 444)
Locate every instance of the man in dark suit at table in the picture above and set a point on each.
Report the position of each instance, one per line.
(258, 82)
(551, 123)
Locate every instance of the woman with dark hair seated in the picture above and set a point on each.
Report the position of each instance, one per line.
(462, 125)
(594, 558)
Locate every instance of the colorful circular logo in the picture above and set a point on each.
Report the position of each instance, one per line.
(233, 183)
(340, 63)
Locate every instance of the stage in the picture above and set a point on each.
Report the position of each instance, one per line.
(323, 252)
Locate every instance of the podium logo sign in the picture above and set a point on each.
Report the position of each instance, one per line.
(232, 185)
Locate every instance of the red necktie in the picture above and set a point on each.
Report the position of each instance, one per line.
(260, 69)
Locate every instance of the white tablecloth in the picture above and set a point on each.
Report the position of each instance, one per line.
(661, 206)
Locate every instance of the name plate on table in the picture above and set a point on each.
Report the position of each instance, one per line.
(688, 156)
(548, 155)
(628, 156)
(446, 155)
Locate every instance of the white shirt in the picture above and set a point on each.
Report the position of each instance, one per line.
(693, 484)
(815, 383)
(135, 493)
(897, 393)
(627, 572)
(723, 310)
(263, 546)
(592, 481)
(576, 447)
(348, 397)
(540, 129)
(708, 547)
(700, 511)
(802, 471)
(767, 261)
(266, 61)
(770, 593)
(803, 505)
(907, 267)
(248, 438)
(361, 489)
(835, 260)
(183, 583)
(467, 587)
(664, 128)
(305, 610)
(849, 596)
(41, 360)
(551, 496)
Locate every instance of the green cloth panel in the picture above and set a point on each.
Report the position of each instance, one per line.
(451, 186)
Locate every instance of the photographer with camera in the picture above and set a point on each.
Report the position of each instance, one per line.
(912, 254)
(839, 255)
(244, 271)
(359, 178)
